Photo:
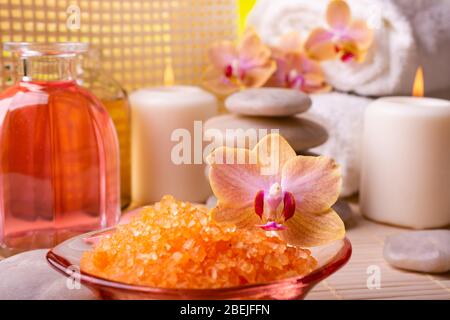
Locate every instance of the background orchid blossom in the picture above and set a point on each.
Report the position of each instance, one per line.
(247, 65)
(346, 39)
(295, 199)
(294, 69)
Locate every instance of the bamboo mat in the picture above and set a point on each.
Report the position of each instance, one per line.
(351, 281)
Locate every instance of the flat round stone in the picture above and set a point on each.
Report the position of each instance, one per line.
(424, 251)
(268, 102)
(301, 133)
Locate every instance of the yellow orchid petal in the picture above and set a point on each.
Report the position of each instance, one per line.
(252, 51)
(273, 152)
(257, 76)
(360, 56)
(314, 79)
(360, 32)
(348, 46)
(222, 54)
(315, 182)
(319, 89)
(234, 176)
(290, 61)
(313, 229)
(213, 79)
(315, 83)
(319, 45)
(338, 14)
(310, 66)
(349, 51)
(278, 78)
(242, 217)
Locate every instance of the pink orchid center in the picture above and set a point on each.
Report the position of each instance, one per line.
(234, 70)
(346, 54)
(272, 226)
(294, 79)
(275, 206)
(347, 57)
(340, 35)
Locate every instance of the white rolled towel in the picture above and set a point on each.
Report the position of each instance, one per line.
(342, 115)
(407, 33)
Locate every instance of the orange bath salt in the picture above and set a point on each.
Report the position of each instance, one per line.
(175, 244)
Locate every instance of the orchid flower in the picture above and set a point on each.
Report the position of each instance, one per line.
(297, 71)
(347, 39)
(294, 200)
(294, 69)
(247, 65)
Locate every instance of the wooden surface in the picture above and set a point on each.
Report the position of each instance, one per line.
(350, 282)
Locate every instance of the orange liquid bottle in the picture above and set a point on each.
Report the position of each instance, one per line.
(59, 154)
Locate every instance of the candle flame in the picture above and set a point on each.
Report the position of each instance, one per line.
(169, 77)
(418, 87)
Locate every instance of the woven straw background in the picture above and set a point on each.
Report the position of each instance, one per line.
(137, 38)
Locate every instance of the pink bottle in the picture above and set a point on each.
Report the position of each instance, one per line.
(59, 154)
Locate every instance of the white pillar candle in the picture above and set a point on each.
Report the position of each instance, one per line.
(156, 114)
(406, 162)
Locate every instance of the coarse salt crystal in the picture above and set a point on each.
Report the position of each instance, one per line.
(186, 250)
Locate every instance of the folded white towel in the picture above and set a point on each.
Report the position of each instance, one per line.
(342, 115)
(408, 33)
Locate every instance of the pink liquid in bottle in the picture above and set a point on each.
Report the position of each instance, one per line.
(59, 157)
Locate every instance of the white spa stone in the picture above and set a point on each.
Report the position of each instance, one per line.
(29, 276)
(424, 251)
(269, 102)
(301, 133)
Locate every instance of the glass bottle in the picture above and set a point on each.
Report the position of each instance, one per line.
(59, 154)
(115, 99)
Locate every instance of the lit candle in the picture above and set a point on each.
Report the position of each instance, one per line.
(156, 114)
(406, 161)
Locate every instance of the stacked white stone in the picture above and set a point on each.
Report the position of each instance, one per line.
(269, 109)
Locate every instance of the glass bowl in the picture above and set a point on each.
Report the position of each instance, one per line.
(65, 258)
